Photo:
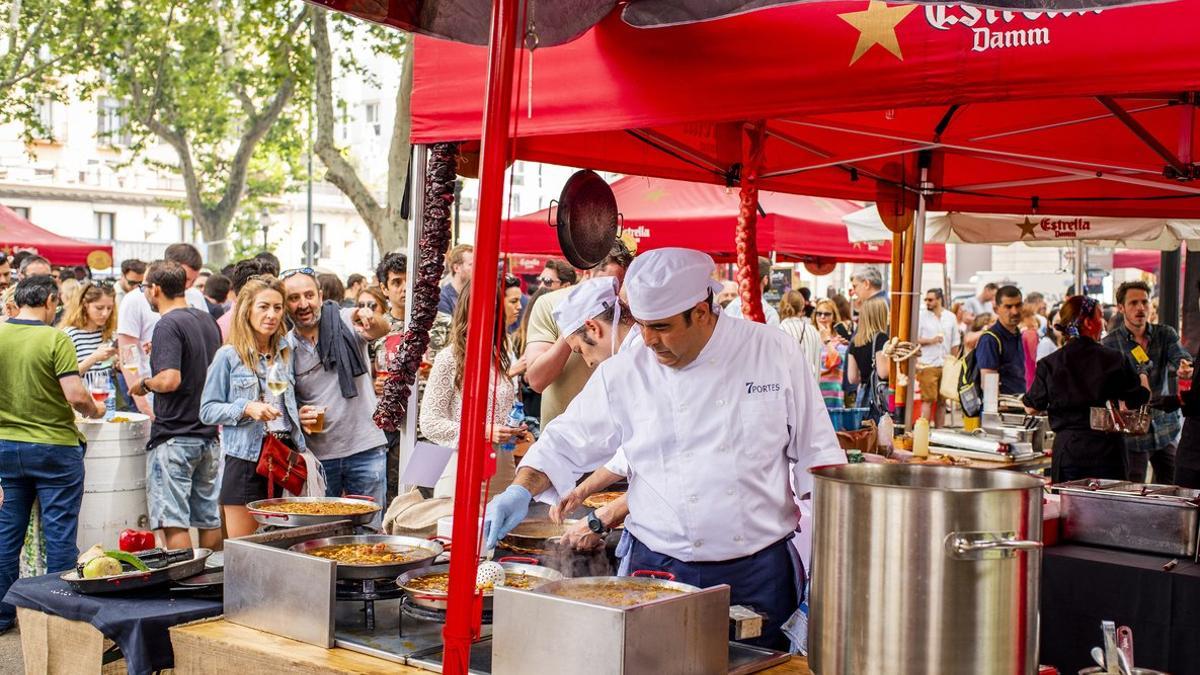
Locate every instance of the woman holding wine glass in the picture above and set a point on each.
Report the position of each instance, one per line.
(250, 393)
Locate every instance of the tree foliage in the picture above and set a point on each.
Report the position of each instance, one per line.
(383, 219)
(42, 42)
(212, 79)
(227, 84)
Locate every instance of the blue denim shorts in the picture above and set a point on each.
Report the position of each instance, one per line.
(181, 483)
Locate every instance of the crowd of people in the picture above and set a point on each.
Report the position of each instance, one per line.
(236, 364)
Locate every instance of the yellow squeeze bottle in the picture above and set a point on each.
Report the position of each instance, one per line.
(920, 436)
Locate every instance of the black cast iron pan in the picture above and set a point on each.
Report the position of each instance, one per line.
(587, 219)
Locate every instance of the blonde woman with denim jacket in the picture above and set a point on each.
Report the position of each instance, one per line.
(236, 397)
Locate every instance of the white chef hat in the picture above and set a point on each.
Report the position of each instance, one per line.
(666, 281)
(585, 301)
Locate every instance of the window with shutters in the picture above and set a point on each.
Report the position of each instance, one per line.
(106, 225)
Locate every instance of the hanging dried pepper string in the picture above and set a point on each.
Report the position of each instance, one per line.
(435, 239)
(749, 288)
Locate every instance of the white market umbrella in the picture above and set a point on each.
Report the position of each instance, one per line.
(1161, 234)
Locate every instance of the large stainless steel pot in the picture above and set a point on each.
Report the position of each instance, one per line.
(924, 569)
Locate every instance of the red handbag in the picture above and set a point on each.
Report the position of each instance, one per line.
(280, 464)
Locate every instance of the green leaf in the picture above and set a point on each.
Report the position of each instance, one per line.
(129, 559)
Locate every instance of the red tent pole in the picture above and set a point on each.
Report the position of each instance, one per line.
(749, 283)
(463, 614)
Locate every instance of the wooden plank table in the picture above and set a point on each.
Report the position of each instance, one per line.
(57, 646)
(217, 647)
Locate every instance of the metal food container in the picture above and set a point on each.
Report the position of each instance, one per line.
(1161, 519)
(279, 519)
(924, 569)
(684, 634)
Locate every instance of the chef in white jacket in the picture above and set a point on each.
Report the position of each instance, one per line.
(719, 421)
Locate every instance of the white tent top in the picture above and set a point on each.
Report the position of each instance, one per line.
(1036, 230)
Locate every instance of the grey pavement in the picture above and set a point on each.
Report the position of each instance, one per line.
(10, 653)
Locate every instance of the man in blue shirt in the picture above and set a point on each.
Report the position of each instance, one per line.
(1000, 349)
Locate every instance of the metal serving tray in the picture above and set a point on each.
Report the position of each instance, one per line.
(1159, 519)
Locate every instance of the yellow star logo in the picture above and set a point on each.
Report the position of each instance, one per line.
(1027, 228)
(654, 195)
(877, 26)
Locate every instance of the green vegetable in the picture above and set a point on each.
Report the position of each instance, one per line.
(128, 559)
(103, 566)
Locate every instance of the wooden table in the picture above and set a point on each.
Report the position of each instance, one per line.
(57, 646)
(217, 647)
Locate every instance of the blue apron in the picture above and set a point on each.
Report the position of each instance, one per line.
(767, 581)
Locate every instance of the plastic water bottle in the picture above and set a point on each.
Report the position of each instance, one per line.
(110, 403)
(885, 431)
(516, 417)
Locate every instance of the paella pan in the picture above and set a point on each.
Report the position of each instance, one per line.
(303, 511)
(429, 587)
(372, 556)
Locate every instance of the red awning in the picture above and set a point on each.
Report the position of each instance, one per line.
(659, 213)
(1075, 113)
(1147, 261)
(18, 234)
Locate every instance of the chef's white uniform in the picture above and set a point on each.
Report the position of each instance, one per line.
(714, 449)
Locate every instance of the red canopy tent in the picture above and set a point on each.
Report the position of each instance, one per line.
(18, 234)
(659, 212)
(1018, 111)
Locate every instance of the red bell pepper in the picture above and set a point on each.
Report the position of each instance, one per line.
(132, 541)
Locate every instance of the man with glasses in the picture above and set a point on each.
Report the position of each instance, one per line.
(557, 274)
(333, 371)
(132, 273)
(938, 337)
(40, 452)
(136, 319)
(183, 453)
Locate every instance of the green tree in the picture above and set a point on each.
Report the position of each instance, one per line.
(382, 218)
(212, 79)
(42, 42)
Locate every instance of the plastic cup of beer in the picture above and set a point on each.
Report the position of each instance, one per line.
(318, 425)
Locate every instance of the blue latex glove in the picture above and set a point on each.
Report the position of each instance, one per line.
(504, 512)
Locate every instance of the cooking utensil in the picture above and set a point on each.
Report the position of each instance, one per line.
(133, 581)
(427, 549)
(534, 532)
(1123, 662)
(587, 219)
(440, 600)
(988, 553)
(1110, 645)
(1125, 642)
(1098, 657)
(303, 519)
(1110, 419)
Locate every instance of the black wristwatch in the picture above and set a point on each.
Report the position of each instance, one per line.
(595, 525)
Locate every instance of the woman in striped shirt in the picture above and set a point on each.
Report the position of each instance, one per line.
(833, 352)
(91, 321)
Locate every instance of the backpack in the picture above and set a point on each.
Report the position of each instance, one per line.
(970, 393)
